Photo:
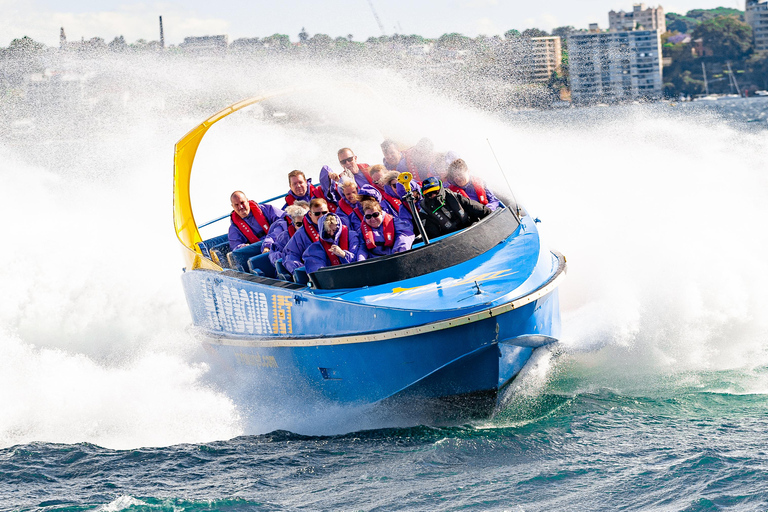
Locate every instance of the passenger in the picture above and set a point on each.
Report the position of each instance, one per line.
(469, 186)
(388, 181)
(418, 160)
(302, 189)
(440, 164)
(444, 211)
(358, 171)
(382, 234)
(281, 232)
(337, 245)
(305, 236)
(250, 221)
(392, 154)
(348, 204)
(389, 204)
(391, 197)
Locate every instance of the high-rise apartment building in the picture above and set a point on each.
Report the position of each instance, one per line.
(756, 14)
(639, 18)
(546, 57)
(615, 66)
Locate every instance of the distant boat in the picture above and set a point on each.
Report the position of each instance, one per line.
(436, 333)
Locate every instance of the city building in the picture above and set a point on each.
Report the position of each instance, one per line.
(756, 14)
(615, 66)
(547, 55)
(639, 18)
(205, 44)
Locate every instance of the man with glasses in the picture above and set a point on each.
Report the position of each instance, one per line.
(444, 211)
(306, 235)
(353, 169)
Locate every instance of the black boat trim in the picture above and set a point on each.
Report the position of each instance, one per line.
(444, 253)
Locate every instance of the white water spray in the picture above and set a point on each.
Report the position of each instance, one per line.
(659, 216)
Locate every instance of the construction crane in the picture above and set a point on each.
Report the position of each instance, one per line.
(370, 2)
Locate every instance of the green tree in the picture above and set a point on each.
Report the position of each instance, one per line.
(454, 41)
(24, 47)
(277, 41)
(118, 44)
(511, 34)
(534, 32)
(727, 37)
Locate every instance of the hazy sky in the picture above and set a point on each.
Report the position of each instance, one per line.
(41, 19)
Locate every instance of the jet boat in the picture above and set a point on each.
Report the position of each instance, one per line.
(440, 330)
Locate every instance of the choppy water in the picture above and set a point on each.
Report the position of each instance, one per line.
(654, 400)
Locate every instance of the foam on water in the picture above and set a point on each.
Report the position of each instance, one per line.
(659, 214)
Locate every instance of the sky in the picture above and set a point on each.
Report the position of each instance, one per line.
(42, 19)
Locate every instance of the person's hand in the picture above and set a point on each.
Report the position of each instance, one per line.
(334, 176)
(266, 249)
(241, 246)
(338, 251)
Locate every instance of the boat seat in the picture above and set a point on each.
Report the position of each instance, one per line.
(219, 255)
(300, 276)
(282, 272)
(261, 265)
(206, 245)
(238, 259)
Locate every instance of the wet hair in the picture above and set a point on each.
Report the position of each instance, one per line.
(389, 176)
(387, 143)
(456, 167)
(347, 182)
(330, 219)
(295, 173)
(339, 152)
(236, 192)
(369, 204)
(377, 168)
(297, 210)
(318, 201)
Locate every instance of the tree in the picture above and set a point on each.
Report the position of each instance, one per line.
(453, 41)
(303, 36)
(118, 44)
(277, 41)
(24, 47)
(534, 32)
(512, 33)
(727, 37)
(320, 42)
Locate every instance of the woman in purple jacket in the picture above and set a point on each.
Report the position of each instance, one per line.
(337, 245)
(381, 233)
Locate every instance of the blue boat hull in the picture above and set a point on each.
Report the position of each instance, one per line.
(455, 371)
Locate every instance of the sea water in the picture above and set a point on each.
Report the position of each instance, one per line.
(655, 398)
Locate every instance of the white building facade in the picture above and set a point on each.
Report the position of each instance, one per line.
(639, 18)
(756, 14)
(615, 66)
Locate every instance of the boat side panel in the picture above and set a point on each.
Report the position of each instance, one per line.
(450, 362)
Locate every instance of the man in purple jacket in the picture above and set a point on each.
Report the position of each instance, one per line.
(462, 182)
(250, 221)
(337, 245)
(305, 236)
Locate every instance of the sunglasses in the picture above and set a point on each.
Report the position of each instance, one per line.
(346, 160)
(319, 214)
(374, 215)
(430, 195)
